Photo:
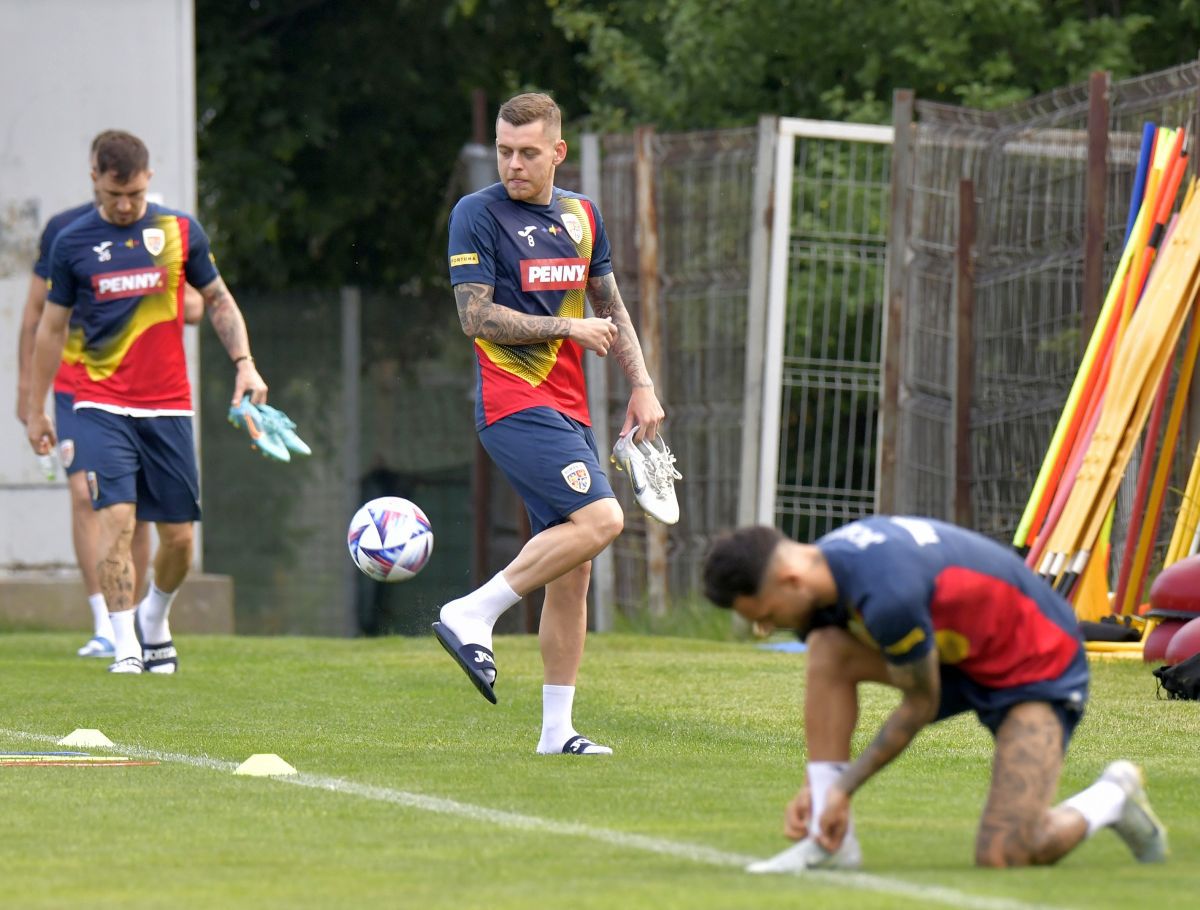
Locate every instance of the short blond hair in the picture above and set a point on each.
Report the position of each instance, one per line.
(531, 107)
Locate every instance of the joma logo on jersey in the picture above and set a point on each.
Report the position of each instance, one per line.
(553, 274)
(130, 283)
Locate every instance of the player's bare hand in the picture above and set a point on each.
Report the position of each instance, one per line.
(594, 334)
(795, 816)
(39, 429)
(644, 412)
(248, 382)
(835, 820)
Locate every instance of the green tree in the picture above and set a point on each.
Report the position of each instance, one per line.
(329, 132)
(698, 63)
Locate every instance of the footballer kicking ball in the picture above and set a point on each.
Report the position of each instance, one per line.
(390, 539)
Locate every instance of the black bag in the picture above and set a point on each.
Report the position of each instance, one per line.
(1181, 680)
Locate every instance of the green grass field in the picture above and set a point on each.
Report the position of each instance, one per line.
(414, 792)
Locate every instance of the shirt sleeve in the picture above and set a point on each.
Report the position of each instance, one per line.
(601, 264)
(61, 276)
(41, 268)
(201, 266)
(884, 586)
(472, 252)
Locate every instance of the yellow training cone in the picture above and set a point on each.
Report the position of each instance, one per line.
(265, 765)
(86, 739)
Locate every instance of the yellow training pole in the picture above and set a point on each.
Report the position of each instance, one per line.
(1189, 512)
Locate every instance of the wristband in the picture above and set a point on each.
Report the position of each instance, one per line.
(237, 360)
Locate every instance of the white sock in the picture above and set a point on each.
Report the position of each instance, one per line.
(101, 624)
(557, 727)
(821, 776)
(1100, 804)
(153, 612)
(471, 617)
(125, 641)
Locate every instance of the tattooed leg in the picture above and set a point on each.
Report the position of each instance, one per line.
(116, 557)
(1018, 827)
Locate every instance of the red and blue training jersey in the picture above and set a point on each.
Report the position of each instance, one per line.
(68, 369)
(909, 585)
(538, 259)
(126, 285)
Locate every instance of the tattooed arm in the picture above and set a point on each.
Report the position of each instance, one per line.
(644, 409)
(482, 317)
(230, 326)
(607, 303)
(920, 683)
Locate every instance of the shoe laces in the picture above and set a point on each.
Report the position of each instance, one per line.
(660, 467)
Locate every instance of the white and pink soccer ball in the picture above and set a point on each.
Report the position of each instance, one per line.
(390, 539)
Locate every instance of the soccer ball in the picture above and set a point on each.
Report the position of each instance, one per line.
(390, 539)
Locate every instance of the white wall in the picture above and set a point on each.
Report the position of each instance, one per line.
(69, 69)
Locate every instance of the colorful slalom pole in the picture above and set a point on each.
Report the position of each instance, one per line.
(1173, 176)
(1081, 388)
(1145, 155)
(1162, 473)
(1142, 210)
(1168, 326)
(1188, 519)
(1046, 516)
(1134, 541)
(1056, 456)
(1063, 494)
(1141, 495)
(1139, 362)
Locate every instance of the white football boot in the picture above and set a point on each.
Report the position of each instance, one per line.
(651, 470)
(808, 854)
(1138, 826)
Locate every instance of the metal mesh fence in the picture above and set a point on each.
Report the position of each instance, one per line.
(1028, 165)
(704, 201)
(280, 529)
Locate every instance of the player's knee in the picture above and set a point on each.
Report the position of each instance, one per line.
(1003, 849)
(828, 650)
(81, 496)
(833, 653)
(609, 521)
(176, 538)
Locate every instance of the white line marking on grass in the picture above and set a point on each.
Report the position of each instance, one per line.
(697, 853)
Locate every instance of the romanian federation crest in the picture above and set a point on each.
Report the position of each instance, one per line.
(154, 239)
(577, 477)
(573, 226)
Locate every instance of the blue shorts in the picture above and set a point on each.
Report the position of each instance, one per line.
(150, 461)
(65, 427)
(551, 460)
(1066, 694)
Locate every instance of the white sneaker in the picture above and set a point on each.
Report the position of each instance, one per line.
(127, 665)
(808, 854)
(651, 469)
(97, 646)
(1138, 826)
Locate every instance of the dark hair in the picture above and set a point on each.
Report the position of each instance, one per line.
(530, 108)
(121, 154)
(100, 137)
(737, 562)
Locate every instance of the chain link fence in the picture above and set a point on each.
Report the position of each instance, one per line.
(1028, 165)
